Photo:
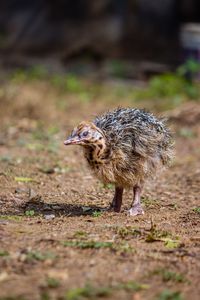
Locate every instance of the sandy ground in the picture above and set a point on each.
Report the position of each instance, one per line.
(56, 243)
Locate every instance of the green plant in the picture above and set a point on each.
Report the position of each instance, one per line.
(128, 231)
(169, 275)
(155, 234)
(11, 218)
(4, 253)
(196, 209)
(169, 295)
(173, 85)
(37, 72)
(88, 244)
(30, 213)
(96, 214)
(88, 292)
(37, 255)
(53, 282)
(191, 67)
(80, 234)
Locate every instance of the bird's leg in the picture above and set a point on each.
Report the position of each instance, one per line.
(117, 200)
(136, 208)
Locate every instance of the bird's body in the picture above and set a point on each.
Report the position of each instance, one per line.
(124, 147)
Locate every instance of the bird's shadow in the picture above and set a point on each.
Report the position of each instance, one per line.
(61, 209)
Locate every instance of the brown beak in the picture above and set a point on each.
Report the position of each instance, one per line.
(72, 141)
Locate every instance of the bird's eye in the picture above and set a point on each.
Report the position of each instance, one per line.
(85, 133)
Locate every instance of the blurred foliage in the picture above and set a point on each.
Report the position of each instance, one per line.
(176, 86)
(166, 90)
(168, 275)
(169, 295)
(64, 82)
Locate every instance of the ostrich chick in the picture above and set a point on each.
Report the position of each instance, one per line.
(124, 147)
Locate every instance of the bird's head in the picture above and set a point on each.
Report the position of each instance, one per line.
(85, 134)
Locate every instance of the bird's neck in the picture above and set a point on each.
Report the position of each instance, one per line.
(98, 152)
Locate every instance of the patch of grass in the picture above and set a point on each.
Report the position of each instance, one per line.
(171, 243)
(39, 256)
(170, 85)
(123, 247)
(37, 72)
(70, 83)
(80, 234)
(53, 282)
(196, 209)
(88, 292)
(171, 89)
(10, 218)
(88, 244)
(169, 295)
(128, 231)
(30, 213)
(4, 253)
(73, 84)
(169, 275)
(155, 235)
(96, 213)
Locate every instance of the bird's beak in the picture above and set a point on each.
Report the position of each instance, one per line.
(72, 141)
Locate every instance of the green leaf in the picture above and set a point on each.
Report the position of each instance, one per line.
(29, 213)
(24, 179)
(171, 244)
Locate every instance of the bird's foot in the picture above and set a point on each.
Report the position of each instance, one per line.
(113, 208)
(136, 210)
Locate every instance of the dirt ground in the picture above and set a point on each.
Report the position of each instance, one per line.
(56, 242)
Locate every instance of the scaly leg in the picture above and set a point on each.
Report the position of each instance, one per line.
(117, 200)
(136, 208)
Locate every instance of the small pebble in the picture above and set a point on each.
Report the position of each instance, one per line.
(49, 217)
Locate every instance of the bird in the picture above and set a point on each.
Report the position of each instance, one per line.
(125, 147)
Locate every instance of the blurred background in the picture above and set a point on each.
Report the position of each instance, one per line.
(94, 31)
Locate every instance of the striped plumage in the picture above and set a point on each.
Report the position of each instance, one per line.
(124, 147)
